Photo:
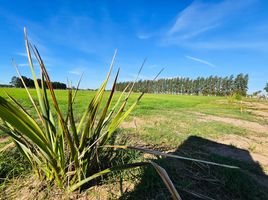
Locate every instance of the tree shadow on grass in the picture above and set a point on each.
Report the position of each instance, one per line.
(200, 181)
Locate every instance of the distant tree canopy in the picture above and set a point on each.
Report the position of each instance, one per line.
(266, 88)
(256, 93)
(16, 82)
(5, 86)
(213, 85)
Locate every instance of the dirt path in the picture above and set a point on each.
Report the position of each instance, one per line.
(259, 113)
(137, 122)
(256, 148)
(253, 126)
(256, 105)
(250, 148)
(4, 139)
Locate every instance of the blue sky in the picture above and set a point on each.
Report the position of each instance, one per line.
(187, 38)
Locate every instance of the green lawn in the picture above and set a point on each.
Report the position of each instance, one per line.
(176, 108)
(175, 123)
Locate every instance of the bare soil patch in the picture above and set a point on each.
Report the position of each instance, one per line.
(259, 113)
(253, 126)
(249, 149)
(256, 146)
(4, 139)
(31, 188)
(256, 105)
(143, 122)
(259, 109)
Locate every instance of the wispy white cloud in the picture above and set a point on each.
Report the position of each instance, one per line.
(201, 61)
(201, 17)
(23, 64)
(77, 71)
(22, 54)
(238, 44)
(27, 64)
(153, 66)
(67, 29)
(143, 36)
(196, 32)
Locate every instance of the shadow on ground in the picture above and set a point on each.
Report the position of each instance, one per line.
(200, 181)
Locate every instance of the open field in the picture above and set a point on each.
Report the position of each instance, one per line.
(211, 128)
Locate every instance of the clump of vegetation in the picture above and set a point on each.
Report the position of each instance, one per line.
(12, 164)
(17, 83)
(266, 88)
(69, 154)
(236, 97)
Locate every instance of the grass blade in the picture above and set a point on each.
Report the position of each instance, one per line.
(164, 176)
(106, 171)
(159, 153)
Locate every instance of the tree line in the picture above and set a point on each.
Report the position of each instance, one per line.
(213, 85)
(16, 82)
(5, 86)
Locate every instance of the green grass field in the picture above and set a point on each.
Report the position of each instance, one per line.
(210, 128)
